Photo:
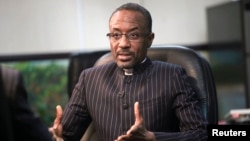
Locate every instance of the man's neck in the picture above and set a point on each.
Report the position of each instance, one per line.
(128, 71)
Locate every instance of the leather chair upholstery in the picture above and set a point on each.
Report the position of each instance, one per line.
(199, 72)
(79, 61)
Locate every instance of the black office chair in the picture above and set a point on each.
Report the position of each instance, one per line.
(198, 70)
(79, 61)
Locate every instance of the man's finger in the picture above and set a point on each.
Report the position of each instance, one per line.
(59, 113)
(138, 116)
(138, 119)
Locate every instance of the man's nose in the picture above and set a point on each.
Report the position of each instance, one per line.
(124, 41)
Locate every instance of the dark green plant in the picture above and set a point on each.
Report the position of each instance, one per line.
(46, 83)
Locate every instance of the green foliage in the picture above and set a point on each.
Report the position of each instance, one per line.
(46, 83)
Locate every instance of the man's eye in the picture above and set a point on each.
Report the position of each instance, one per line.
(116, 35)
(134, 35)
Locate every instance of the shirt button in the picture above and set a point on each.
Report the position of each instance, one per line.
(125, 106)
(121, 94)
(128, 81)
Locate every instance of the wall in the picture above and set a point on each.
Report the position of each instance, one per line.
(42, 26)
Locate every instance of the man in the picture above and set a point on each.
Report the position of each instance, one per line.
(18, 121)
(133, 99)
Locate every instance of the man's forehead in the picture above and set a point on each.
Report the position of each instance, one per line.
(126, 15)
(124, 18)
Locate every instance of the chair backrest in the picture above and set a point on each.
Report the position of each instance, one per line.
(79, 61)
(197, 68)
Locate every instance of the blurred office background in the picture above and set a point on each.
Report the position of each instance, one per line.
(38, 36)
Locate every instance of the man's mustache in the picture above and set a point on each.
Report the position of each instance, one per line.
(124, 52)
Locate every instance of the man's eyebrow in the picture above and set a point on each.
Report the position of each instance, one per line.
(130, 30)
(135, 28)
(115, 29)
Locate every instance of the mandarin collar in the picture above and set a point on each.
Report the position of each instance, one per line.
(140, 68)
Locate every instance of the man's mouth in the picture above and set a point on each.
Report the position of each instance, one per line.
(124, 56)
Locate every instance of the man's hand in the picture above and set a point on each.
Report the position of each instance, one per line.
(56, 129)
(137, 131)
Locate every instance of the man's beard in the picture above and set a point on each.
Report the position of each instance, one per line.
(126, 65)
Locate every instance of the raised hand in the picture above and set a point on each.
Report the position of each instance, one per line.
(56, 129)
(137, 131)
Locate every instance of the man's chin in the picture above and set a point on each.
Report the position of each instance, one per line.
(125, 65)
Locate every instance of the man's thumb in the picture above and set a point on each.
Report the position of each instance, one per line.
(59, 113)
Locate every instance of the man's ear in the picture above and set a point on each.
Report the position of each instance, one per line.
(150, 39)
